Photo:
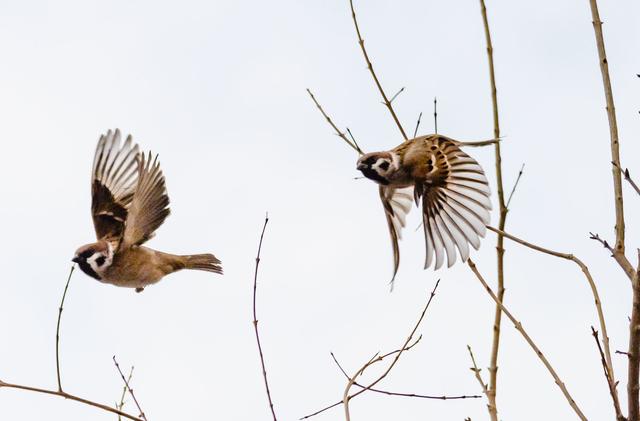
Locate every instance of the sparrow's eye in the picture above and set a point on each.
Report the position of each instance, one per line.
(384, 165)
(100, 260)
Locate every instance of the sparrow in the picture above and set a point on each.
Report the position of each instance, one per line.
(129, 202)
(448, 184)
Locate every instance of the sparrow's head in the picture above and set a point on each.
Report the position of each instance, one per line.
(94, 258)
(378, 166)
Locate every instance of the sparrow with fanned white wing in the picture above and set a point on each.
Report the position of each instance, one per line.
(129, 202)
(448, 184)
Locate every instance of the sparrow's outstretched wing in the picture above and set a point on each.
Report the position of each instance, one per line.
(150, 204)
(455, 202)
(397, 204)
(114, 174)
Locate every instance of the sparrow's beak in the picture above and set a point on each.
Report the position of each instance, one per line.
(361, 166)
(75, 259)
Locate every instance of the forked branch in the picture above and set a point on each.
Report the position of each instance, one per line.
(525, 335)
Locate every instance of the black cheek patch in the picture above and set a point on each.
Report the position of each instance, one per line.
(100, 260)
(86, 268)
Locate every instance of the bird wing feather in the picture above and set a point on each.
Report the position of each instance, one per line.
(454, 194)
(149, 205)
(114, 174)
(397, 204)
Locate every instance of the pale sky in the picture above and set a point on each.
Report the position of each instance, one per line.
(217, 88)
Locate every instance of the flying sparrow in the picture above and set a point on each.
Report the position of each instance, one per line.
(128, 203)
(450, 185)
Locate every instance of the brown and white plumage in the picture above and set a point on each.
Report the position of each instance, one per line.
(129, 202)
(449, 186)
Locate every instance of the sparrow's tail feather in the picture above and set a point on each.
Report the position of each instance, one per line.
(207, 262)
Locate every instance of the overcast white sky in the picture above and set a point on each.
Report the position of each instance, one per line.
(218, 90)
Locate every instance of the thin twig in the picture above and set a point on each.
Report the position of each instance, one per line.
(435, 115)
(124, 392)
(346, 397)
(604, 243)
(396, 95)
(70, 396)
(525, 335)
(493, 367)
(377, 357)
(592, 285)
(126, 384)
(415, 132)
(338, 132)
(255, 319)
(476, 371)
(607, 376)
(375, 78)
(353, 139)
(64, 295)
(627, 177)
(405, 347)
(408, 395)
(513, 190)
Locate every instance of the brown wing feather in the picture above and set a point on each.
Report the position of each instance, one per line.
(149, 206)
(455, 202)
(113, 179)
(396, 204)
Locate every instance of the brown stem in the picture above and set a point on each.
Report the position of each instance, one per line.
(346, 398)
(375, 78)
(64, 295)
(613, 127)
(594, 292)
(525, 335)
(338, 132)
(476, 371)
(407, 395)
(124, 392)
(255, 318)
(493, 367)
(607, 375)
(70, 396)
(126, 384)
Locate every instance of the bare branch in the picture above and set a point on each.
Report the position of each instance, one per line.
(126, 384)
(415, 132)
(346, 398)
(396, 95)
(71, 397)
(255, 320)
(525, 335)
(604, 243)
(338, 132)
(613, 133)
(64, 295)
(483, 385)
(375, 78)
(607, 375)
(590, 281)
(408, 395)
(513, 190)
(405, 347)
(493, 367)
(124, 392)
(435, 115)
(627, 177)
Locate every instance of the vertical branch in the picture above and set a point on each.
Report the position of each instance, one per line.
(493, 367)
(613, 127)
(255, 319)
(619, 249)
(120, 405)
(64, 295)
(385, 100)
